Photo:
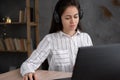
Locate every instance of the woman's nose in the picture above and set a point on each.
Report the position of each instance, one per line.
(72, 20)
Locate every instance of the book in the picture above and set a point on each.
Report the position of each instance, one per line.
(21, 16)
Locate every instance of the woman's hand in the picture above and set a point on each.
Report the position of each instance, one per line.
(30, 76)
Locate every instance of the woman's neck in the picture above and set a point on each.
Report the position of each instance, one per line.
(70, 33)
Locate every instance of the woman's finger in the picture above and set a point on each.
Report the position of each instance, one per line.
(25, 77)
(35, 76)
(30, 76)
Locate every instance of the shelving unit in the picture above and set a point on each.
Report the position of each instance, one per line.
(28, 24)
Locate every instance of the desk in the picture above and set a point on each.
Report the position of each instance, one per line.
(42, 74)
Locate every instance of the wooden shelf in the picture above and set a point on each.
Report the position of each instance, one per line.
(28, 24)
(3, 23)
(18, 23)
(9, 51)
(33, 24)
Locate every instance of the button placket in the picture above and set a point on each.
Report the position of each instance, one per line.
(72, 51)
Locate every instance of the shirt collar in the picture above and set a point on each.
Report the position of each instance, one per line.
(64, 34)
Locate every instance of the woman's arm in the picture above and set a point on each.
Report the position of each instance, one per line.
(37, 57)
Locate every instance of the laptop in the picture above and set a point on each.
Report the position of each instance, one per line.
(97, 63)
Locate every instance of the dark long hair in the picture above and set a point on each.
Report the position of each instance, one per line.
(56, 25)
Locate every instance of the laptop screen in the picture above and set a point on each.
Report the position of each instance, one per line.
(98, 63)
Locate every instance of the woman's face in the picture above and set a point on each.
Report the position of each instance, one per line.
(70, 19)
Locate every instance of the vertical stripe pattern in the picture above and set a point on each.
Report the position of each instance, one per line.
(60, 49)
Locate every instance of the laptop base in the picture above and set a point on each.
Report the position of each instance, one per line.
(68, 78)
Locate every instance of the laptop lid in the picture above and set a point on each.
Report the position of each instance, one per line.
(98, 63)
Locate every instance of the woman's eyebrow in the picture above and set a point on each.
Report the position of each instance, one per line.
(71, 15)
(76, 14)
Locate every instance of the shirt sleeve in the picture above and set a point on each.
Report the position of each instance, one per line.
(89, 40)
(37, 57)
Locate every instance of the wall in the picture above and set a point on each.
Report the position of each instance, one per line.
(101, 19)
(10, 61)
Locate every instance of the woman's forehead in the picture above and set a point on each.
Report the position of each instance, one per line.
(71, 10)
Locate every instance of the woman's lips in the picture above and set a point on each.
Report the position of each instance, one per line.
(72, 25)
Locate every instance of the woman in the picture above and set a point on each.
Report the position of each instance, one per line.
(60, 46)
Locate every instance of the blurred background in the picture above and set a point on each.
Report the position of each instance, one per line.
(101, 19)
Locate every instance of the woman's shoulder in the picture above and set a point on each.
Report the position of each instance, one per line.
(52, 35)
(83, 33)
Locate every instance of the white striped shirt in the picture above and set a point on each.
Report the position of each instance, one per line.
(60, 49)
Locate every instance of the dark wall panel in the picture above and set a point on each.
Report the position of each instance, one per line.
(10, 61)
(101, 19)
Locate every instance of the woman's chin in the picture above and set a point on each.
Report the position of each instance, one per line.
(72, 29)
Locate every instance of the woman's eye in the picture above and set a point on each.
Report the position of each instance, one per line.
(76, 16)
(67, 18)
